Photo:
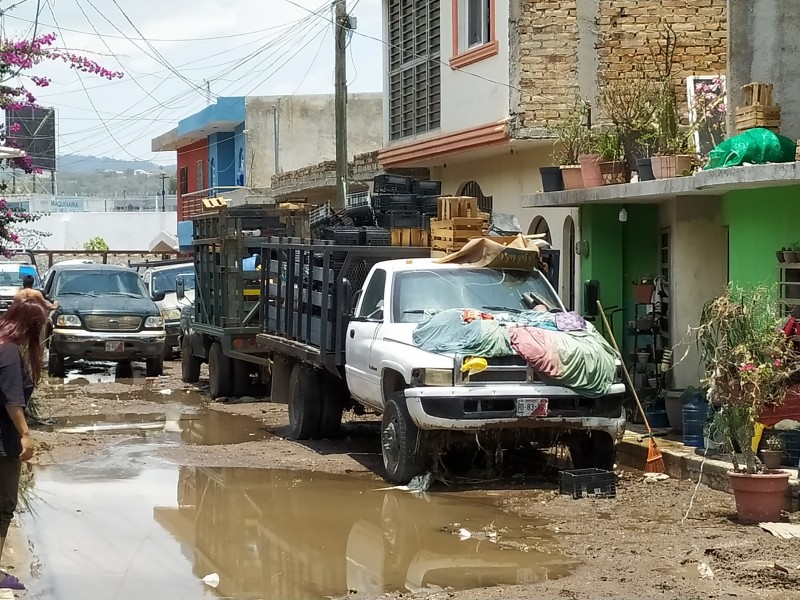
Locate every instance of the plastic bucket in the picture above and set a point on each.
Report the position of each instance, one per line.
(695, 415)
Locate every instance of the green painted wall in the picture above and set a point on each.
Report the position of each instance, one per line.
(759, 221)
(619, 253)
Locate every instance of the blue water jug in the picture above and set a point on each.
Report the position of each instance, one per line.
(695, 415)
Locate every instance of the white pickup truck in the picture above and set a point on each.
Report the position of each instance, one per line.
(333, 349)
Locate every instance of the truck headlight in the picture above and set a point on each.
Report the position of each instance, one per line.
(432, 377)
(171, 314)
(154, 323)
(68, 321)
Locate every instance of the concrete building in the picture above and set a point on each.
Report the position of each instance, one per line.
(234, 147)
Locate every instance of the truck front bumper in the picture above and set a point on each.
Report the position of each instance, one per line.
(95, 345)
(480, 408)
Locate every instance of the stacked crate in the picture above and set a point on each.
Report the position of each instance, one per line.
(405, 206)
(458, 221)
(353, 226)
(757, 109)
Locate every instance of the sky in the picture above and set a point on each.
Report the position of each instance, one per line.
(239, 47)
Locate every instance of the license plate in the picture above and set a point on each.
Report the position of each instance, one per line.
(115, 346)
(531, 407)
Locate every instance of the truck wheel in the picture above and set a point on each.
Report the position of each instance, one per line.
(219, 372)
(305, 407)
(400, 442)
(55, 363)
(155, 366)
(190, 364)
(241, 378)
(594, 450)
(334, 395)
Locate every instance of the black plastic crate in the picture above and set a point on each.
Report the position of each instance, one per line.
(360, 215)
(392, 184)
(791, 443)
(395, 202)
(580, 483)
(344, 236)
(428, 205)
(427, 188)
(400, 220)
(377, 236)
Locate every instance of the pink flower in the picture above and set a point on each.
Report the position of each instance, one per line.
(15, 128)
(748, 367)
(777, 363)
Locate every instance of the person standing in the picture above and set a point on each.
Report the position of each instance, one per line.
(20, 328)
(28, 293)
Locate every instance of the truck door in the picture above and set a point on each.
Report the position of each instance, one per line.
(364, 378)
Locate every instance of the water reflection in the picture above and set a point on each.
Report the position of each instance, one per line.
(300, 536)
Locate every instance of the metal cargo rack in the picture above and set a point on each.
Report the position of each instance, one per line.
(227, 295)
(307, 290)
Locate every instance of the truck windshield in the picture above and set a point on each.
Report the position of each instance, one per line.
(99, 283)
(482, 289)
(164, 281)
(11, 274)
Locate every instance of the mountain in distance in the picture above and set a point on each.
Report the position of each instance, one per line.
(80, 163)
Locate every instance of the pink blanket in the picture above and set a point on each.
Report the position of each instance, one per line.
(538, 349)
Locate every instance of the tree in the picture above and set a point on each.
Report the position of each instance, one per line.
(17, 58)
(96, 244)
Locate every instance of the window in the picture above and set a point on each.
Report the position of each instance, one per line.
(414, 67)
(183, 180)
(373, 295)
(478, 22)
(199, 175)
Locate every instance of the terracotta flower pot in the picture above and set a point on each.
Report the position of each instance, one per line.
(760, 497)
(666, 167)
(614, 172)
(573, 177)
(590, 167)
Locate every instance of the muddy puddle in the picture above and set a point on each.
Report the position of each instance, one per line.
(125, 526)
(176, 424)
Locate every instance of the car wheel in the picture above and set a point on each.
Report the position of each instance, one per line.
(190, 364)
(56, 366)
(593, 450)
(334, 396)
(401, 442)
(155, 366)
(219, 372)
(305, 406)
(241, 378)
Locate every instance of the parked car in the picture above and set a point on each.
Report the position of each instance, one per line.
(105, 313)
(12, 270)
(160, 279)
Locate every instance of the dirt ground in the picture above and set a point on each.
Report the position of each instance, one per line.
(637, 545)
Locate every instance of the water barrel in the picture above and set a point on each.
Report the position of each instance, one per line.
(695, 415)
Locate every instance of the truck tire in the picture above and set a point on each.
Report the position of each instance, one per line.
(190, 364)
(593, 450)
(241, 378)
(401, 442)
(334, 396)
(219, 372)
(56, 366)
(305, 406)
(155, 366)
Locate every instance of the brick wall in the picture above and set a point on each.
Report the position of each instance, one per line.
(622, 32)
(546, 52)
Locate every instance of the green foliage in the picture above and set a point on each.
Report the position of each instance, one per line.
(607, 143)
(97, 244)
(573, 135)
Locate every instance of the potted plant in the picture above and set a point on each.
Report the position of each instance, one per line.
(590, 163)
(773, 455)
(608, 145)
(643, 289)
(675, 158)
(779, 255)
(788, 255)
(792, 255)
(572, 136)
(749, 364)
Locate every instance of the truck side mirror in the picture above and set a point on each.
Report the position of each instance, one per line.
(591, 295)
(159, 296)
(180, 288)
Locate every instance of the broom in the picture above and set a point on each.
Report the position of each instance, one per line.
(655, 462)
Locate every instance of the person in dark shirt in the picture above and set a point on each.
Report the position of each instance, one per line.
(20, 330)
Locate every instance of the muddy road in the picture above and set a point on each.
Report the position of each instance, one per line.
(141, 488)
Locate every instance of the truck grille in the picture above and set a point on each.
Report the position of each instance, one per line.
(112, 322)
(504, 369)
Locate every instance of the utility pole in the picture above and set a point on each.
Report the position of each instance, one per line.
(342, 25)
(163, 193)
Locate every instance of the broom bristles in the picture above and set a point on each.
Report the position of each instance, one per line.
(655, 462)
